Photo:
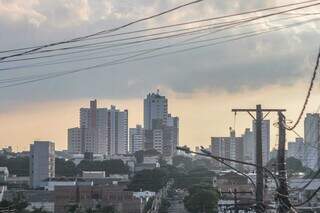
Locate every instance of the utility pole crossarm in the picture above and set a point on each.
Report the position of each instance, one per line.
(254, 110)
(260, 205)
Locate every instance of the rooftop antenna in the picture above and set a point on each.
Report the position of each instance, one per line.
(158, 91)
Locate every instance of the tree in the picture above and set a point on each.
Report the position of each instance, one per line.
(139, 156)
(150, 180)
(65, 168)
(17, 166)
(102, 209)
(18, 203)
(185, 179)
(294, 165)
(201, 198)
(38, 210)
(182, 161)
(109, 166)
(165, 204)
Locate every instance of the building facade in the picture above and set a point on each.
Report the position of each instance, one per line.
(42, 162)
(136, 139)
(265, 140)
(311, 137)
(101, 131)
(296, 149)
(90, 196)
(117, 131)
(155, 108)
(228, 147)
(74, 140)
(161, 129)
(249, 146)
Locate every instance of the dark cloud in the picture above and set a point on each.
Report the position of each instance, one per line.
(276, 58)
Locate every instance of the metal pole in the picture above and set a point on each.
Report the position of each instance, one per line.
(282, 172)
(235, 201)
(259, 178)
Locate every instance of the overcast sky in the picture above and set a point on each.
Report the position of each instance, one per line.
(202, 85)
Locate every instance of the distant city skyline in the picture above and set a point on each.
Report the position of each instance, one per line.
(51, 119)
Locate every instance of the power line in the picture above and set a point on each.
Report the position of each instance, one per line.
(307, 184)
(101, 32)
(120, 61)
(40, 64)
(36, 48)
(314, 74)
(187, 150)
(228, 165)
(85, 58)
(308, 199)
(124, 60)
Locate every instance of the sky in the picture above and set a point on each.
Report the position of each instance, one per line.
(202, 85)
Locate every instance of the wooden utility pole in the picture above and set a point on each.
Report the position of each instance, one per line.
(259, 158)
(284, 203)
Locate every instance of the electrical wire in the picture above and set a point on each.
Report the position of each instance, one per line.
(107, 48)
(308, 199)
(53, 75)
(167, 26)
(41, 64)
(101, 32)
(119, 61)
(180, 24)
(229, 166)
(188, 151)
(314, 74)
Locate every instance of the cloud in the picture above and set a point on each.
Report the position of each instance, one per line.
(278, 58)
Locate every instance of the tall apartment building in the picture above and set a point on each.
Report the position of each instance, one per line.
(136, 139)
(172, 133)
(296, 149)
(265, 139)
(311, 137)
(93, 127)
(161, 129)
(42, 162)
(74, 141)
(117, 131)
(228, 147)
(155, 108)
(249, 146)
(101, 131)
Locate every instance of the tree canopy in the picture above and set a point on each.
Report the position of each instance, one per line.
(201, 198)
(18, 166)
(149, 180)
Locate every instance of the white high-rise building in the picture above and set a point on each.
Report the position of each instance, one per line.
(42, 162)
(117, 131)
(311, 138)
(101, 131)
(265, 139)
(249, 146)
(94, 129)
(136, 139)
(296, 149)
(155, 108)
